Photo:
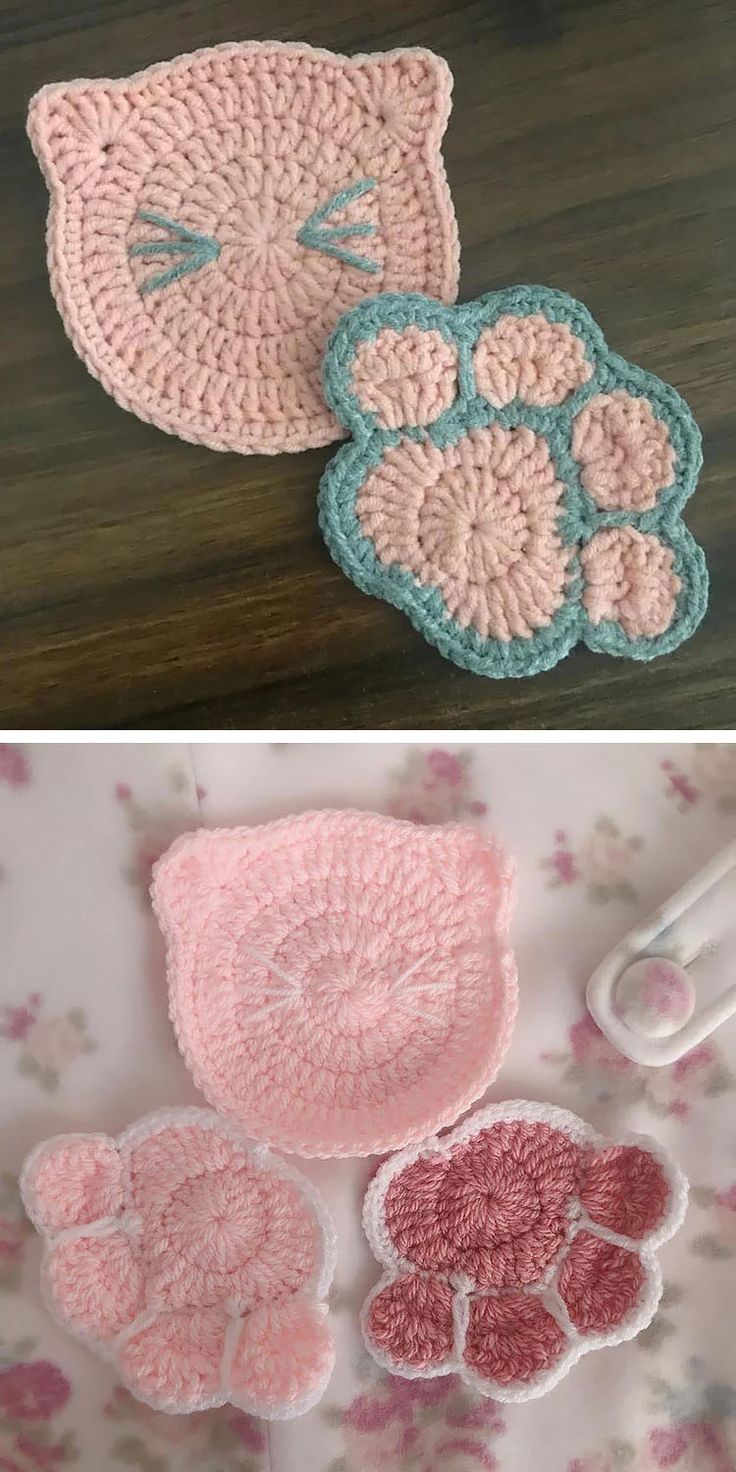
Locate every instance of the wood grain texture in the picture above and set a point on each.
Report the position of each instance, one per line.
(146, 582)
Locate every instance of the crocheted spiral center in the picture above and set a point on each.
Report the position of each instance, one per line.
(216, 1220)
(478, 520)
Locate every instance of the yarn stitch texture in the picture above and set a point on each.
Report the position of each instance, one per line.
(195, 1262)
(203, 222)
(511, 484)
(339, 982)
(515, 1244)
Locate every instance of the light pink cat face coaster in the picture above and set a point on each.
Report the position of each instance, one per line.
(212, 217)
(339, 983)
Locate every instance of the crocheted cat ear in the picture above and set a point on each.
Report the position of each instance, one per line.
(211, 218)
(339, 983)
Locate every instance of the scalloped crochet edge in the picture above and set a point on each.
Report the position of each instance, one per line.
(645, 1249)
(142, 1129)
(579, 519)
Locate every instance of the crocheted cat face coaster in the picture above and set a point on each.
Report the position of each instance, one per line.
(512, 485)
(212, 217)
(515, 1244)
(339, 983)
(197, 1264)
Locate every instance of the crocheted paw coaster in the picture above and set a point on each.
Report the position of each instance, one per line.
(339, 982)
(515, 1244)
(211, 217)
(194, 1262)
(512, 485)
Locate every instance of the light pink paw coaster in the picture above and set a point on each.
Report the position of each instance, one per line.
(513, 1245)
(213, 216)
(198, 1264)
(339, 983)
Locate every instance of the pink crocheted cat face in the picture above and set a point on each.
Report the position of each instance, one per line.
(212, 217)
(339, 983)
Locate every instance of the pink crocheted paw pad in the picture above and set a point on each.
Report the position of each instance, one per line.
(339, 983)
(194, 1262)
(212, 217)
(515, 1244)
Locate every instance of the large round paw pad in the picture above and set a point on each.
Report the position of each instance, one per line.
(512, 1245)
(283, 1357)
(513, 486)
(206, 1228)
(410, 1320)
(477, 519)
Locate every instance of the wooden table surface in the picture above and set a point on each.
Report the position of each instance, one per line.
(149, 583)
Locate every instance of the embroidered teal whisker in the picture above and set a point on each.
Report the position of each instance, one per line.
(315, 235)
(197, 250)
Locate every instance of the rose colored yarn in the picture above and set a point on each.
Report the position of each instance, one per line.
(493, 444)
(203, 1282)
(339, 983)
(624, 451)
(514, 1244)
(479, 520)
(539, 362)
(212, 217)
(630, 577)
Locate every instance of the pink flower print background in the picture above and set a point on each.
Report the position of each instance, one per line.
(435, 786)
(604, 1076)
(706, 774)
(48, 1045)
(603, 862)
(225, 1438)
(424, 1425)
(77, 836)
(34, 1395)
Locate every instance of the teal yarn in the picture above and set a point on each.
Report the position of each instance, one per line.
(193, 249)
(579, 517)
(314, 234)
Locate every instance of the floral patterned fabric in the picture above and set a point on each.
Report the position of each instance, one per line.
(601, 834)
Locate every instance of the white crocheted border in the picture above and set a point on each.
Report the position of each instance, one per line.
(296, 828)
(128, 1223)
(644, 1248)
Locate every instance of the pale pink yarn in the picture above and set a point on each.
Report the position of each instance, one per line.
(530, 358)
(241, 144)
(194, 1262)
(630, 577)
(624, 451)
(339, 983)
(405, 378)
(478, 520)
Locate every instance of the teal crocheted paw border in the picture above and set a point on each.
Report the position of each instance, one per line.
(511, 484)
